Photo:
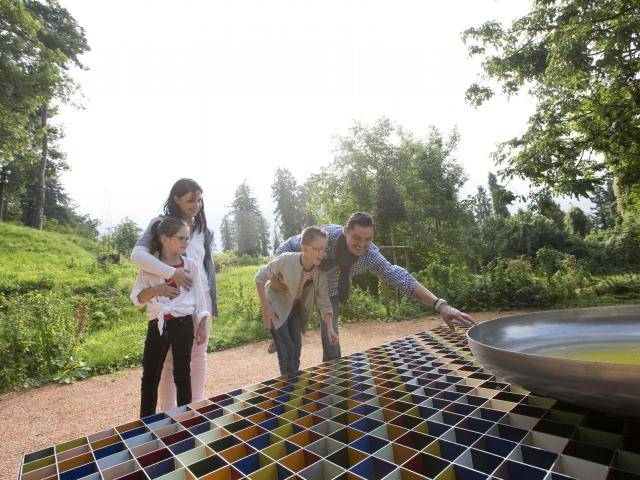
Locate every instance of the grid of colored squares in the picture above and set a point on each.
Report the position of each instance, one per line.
(419, 407)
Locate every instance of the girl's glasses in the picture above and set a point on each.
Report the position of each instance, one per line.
(182, 239)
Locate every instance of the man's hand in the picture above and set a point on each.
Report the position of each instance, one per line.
(277, 284)
(201, 331)
(450, 314)
(165, 290)
(181, 278)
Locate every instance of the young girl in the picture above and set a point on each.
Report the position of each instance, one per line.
(184, 201)
(172, 312)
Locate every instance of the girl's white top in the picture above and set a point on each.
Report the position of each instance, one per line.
(188, 302)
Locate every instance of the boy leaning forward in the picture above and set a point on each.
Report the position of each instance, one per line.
(287, 313)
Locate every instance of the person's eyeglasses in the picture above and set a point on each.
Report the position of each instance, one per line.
(317, 250)
(182, 239)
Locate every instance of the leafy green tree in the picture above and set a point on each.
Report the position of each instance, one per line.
(63, 41)
(125, 235)
(20, 91)
(40, 42)
(390, 208)
(521, 234)
(409, 182)
(479, 205)
(501, 198)
(581, 60)
(545, 205)
(577, 222)
(350, 182)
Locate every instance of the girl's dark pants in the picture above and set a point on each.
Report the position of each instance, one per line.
(178, 334)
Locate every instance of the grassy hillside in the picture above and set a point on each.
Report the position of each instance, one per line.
(65, 316)
(54, 297)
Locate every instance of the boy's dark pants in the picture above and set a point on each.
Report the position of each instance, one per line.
(288, 340)
(178, 334)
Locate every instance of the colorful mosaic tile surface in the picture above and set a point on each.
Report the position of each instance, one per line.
(418, 407)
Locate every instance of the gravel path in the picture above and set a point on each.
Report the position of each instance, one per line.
(40, 417)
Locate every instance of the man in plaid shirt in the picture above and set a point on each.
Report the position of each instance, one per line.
(351, 251)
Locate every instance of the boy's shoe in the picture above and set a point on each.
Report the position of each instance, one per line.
(272, 348)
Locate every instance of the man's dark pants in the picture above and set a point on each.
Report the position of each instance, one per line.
(330, 352)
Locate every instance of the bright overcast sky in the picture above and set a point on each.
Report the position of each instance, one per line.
(227, 91)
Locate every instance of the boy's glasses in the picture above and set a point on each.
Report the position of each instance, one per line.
(317, 250)
(182, 239)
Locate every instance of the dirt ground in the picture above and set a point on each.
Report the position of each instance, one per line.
(41, 417)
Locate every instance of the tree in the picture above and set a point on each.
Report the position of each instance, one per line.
(501, 198)
(389, 205)
(547, 207)
(286, 195)
(263, 236)
(40, 41)
(226, 233)
(63, 40)
(409, 183)
(246, 223)
(479, 205)
(604, 213)
(276, 239)
(577, 222)
(581, 59)
(125, 235)
(21, 92)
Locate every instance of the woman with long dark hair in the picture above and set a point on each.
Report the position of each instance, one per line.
(185, 202)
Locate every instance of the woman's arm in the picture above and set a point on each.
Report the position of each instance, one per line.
(141, 257)
(201, 304)
(142, 293)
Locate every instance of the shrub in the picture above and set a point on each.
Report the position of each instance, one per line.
(38, 332)
(361, 306)
(228, 259)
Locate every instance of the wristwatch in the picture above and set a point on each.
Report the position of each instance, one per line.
(438, 303)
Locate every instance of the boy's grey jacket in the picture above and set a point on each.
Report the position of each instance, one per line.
(145, 242)
(289, 265)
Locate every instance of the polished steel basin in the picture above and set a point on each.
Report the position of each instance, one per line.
(528, 350)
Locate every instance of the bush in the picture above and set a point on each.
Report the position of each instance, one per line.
(361, 306)
(228, 259)
(616, 250)
(38, 332)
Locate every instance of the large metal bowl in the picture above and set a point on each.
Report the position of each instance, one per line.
(515, 347)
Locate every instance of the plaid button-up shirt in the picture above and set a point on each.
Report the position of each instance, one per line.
(371, 260)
